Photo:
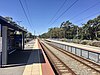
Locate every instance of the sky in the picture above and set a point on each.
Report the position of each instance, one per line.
(40, 12)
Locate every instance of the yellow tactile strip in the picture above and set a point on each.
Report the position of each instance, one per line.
(35, 68)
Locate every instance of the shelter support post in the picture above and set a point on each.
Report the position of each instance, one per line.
(23, 40)
(4, 45)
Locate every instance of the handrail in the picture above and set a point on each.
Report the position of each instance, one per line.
(81, 49)
(74, 46)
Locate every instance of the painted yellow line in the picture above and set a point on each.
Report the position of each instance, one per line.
(40, 70)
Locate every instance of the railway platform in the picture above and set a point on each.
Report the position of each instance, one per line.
(30, 61)
(89, 52)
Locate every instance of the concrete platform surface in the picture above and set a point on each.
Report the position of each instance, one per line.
(17, 62)
(41, 65)
(31, 61)
(86, 47)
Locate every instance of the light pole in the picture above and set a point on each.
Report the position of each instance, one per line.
(34, 34)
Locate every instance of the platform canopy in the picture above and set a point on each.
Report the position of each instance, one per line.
(5, 22)
(11, 41)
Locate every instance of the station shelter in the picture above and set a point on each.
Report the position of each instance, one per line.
(11, 39)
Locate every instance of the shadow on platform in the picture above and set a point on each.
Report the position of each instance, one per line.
(25, 57)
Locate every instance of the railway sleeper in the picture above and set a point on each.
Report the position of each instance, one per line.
(95, 73)
(64, 71)
(66, 74)
(61, 67)
(58, 63)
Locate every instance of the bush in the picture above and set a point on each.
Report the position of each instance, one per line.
(64, 40)
(86, 42)
(96, 43)
(98, 39)
(76, 41)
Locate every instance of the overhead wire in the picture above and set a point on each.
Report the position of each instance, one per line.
(87, 17)
(25, 13)
(27, 8)
(58, 10)
(84, 10)
(28, 12)
(65, 11)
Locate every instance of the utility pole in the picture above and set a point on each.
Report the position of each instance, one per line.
(34, 34)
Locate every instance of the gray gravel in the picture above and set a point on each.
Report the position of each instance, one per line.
(77, 67)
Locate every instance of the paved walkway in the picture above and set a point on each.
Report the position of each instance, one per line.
(40, 64)
(17, 61)
(35, 68)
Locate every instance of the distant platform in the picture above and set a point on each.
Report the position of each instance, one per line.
(89, 52)
(86, 47)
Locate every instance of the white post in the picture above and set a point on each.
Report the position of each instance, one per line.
(4, 45)
(23, 40)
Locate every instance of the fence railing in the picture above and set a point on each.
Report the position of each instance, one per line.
(94, 56)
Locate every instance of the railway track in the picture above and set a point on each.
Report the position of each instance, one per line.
(60, 67)
(78, 65)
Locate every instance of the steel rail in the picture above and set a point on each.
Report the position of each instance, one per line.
(88, 63)
(59, 65)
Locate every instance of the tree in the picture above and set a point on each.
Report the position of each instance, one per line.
(89, 31)
(69, 29)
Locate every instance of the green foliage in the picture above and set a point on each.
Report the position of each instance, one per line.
(89, 31)
(84, 42)
(96, 43)
(76, 41)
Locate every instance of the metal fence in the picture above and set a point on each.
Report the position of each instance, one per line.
(80, 52)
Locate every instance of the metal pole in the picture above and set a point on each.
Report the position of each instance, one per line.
(34, 34)
(98, 58)
(75, 51)
(88, 54)
(71, 48)
(4, 45)
(23, 37)
(81, 52)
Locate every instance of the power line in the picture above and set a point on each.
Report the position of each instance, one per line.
(58, 10)
(27, 8)
(25, 12)
(87, 17)
(66, 10)
(84, 11)
(28, 12)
